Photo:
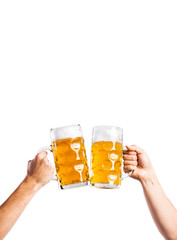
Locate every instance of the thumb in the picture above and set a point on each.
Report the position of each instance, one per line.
(29, 163)
(29, 166)
(134, 148)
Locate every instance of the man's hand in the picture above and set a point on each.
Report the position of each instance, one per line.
(161, 209)
(137, 160)
(40, 170)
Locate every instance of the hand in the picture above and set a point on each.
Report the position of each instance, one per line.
(40, 170)
(137, 160)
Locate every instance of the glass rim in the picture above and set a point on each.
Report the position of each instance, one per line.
(65, 132)
(68, 126)
(107, 133)
(107, 126)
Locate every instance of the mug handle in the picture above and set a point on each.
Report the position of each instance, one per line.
(48, 148)
(125, 175)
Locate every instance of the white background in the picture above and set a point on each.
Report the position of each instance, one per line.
(94, 63)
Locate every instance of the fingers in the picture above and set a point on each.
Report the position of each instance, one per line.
(128, 168)
(130, 157)
(133, 163)
(134, 148)
(52, 169)
(130, 160)
(130, 165)
(40, 169)
(29, 164)
(47, 162)
(41, 155)
(129, 152)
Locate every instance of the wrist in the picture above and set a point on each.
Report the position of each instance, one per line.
(31, 184)
(148, 177)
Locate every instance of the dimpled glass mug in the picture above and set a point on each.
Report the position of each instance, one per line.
(69, 156)
(106, 157)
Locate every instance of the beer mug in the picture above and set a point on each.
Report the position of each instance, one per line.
(67, 145)
(106, 157)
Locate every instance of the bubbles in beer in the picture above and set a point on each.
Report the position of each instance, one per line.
(108, 145)
(106, 162)
(75, 145)
(70, 160)
(79, 168)
(107, 165)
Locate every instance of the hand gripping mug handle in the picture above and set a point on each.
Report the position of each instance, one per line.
(48, 148)
(125, 175)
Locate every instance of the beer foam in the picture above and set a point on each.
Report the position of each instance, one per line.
(65, 132)
(107, 133)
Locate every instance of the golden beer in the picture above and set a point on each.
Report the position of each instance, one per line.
(70, 161)
(106, 163)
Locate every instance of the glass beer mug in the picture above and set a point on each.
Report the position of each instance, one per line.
(69, 156)
(106, 157)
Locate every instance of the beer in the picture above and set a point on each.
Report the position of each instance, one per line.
(106, 163)
(70, 161)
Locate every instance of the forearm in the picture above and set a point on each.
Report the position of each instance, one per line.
(12, 208)
(162, 210)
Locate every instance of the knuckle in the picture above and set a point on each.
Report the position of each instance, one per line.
(134, 163)
(130, 153)
(46, 161)
(125, 161)
(50, 165)
(129, 167)
(132, 157)
(41, 155)
(133, 153)
(38, 156)
(142, 150)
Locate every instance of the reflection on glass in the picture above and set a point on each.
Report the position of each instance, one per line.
(76, 147)
(79, 168)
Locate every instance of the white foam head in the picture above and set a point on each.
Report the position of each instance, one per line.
(107, 133)
(65, 132)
